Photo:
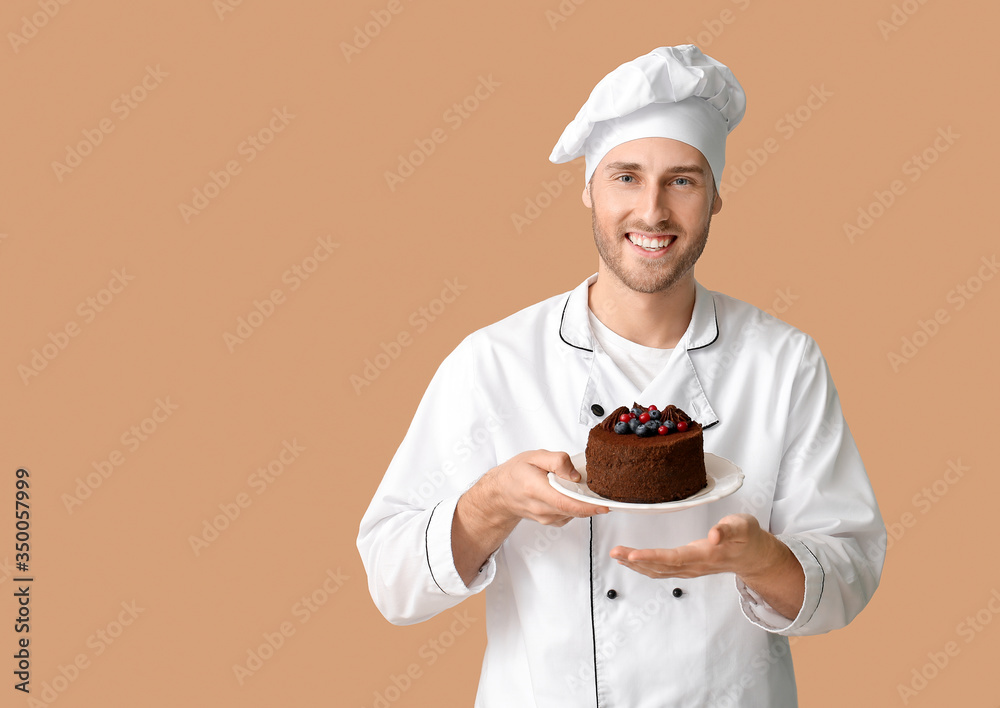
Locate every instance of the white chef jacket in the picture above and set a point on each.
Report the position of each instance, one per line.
(557, 634)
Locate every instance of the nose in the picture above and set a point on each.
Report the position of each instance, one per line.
(653, 208)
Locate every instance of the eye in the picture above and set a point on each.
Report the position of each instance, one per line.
(683, 181)
(629, 178)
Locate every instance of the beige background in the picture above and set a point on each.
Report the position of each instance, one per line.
(780, 239)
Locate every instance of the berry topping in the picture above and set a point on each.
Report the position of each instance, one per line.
(648, 421)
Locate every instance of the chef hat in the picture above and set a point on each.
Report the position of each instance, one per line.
(672, 92)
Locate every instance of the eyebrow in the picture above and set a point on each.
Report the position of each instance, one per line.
(637, 167)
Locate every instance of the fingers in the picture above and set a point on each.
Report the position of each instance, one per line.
(571, 507)
(531, 496)
(655, 563)
(543, 501)
(644, 555)
(559, 464)
(662, 571)
(642, 570)
(663, 556)
(692, 560)
(621, 553)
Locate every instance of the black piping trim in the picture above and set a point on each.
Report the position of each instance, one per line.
(561, 320)
(715, 312)
(427, 553)
(593, 628)
(710, 425)
(822, 582)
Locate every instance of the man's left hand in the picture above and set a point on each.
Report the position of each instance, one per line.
(737, 544)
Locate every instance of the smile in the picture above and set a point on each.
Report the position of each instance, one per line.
(650, 243)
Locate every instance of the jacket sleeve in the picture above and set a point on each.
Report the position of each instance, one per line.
(824, 510)
(405, 535)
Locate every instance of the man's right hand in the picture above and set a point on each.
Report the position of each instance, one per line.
(517, 489)
(520, 489)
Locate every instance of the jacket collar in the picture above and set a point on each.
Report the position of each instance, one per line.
(702, 331)
(574, 325)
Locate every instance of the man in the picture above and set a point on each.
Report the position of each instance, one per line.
(590, 608)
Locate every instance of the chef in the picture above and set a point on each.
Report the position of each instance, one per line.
(588, 606)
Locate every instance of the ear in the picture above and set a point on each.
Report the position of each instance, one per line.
(587, 201)
(716, 204)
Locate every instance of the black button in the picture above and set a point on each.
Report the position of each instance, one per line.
(678, 592)
(612, 594)
(597, 410)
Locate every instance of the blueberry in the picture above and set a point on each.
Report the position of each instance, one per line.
(622, 428)
(644, 431)
(671, 426)
(634, 424)
(655, 415)
(636, 411)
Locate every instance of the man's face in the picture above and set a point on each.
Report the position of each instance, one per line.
(652, 201)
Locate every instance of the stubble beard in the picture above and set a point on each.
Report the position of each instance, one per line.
(652, 276)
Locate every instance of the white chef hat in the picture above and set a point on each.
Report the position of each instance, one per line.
(672, 92)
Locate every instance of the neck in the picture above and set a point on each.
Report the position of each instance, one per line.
(656, 320)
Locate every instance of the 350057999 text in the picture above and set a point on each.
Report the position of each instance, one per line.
(22, 547)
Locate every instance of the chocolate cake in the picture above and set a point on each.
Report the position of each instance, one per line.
(644, 455)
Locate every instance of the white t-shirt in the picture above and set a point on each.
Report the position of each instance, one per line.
(641, 364)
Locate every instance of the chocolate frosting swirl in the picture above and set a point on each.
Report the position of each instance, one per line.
(671, 413)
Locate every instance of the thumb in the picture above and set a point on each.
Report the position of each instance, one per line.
(730, 528)
(558, 463)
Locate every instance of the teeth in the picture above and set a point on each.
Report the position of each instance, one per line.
(650, 244)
